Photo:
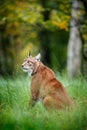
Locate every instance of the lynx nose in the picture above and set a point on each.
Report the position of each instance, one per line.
(22, 66)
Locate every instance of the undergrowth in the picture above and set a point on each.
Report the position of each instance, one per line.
(15, 113)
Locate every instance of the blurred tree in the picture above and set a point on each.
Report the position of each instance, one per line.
(6, 44)
(84, 32)
(54, 20)
(75, 65)
(75, 41)
(44, 35)
(13, 15)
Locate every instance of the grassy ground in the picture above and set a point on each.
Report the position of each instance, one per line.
(15, 114)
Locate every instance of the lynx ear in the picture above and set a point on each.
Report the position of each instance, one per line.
(38, 57)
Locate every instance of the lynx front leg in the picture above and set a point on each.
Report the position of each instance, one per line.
(32, 102)
(33, 99)
(34, 94)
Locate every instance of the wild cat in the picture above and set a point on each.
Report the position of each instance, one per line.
(44, 85)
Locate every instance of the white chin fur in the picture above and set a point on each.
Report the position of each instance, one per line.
(28, 71)
(25, 70)
(30, 74)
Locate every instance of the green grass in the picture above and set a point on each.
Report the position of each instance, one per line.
(16, 115)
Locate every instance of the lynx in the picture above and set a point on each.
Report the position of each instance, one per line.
(44, 85)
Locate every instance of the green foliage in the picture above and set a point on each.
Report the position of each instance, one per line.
(22, 25)
(58, 50)
(16, 114)
(16, 30)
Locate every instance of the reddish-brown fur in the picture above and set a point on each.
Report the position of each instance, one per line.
(45, 86)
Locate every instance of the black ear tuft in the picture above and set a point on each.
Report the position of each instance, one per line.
(29, 54)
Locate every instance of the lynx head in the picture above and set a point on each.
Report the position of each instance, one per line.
(31, 64)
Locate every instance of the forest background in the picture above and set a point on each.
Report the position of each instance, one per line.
(57, 28)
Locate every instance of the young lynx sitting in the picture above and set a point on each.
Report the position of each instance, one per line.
(44, 85)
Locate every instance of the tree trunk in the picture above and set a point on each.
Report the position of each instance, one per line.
(85, 43)
(44, 36)
(6, 52)
(85, 60)
(75, 42)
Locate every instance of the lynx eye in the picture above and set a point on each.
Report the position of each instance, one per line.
(28, 61)
(30, 64)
